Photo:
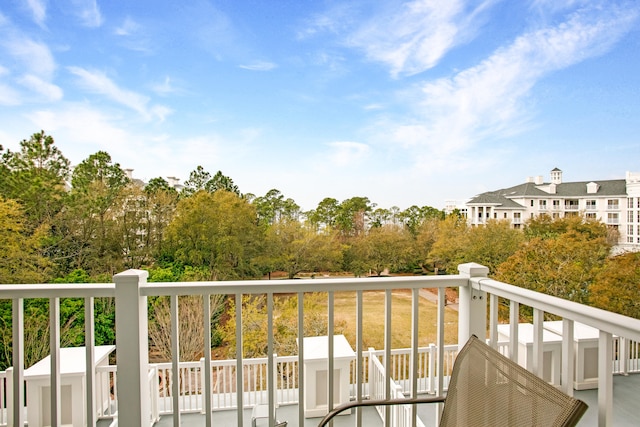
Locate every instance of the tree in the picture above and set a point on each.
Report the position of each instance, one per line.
(200, 179)
(492, 244)
(83, 232)
(20, 259)
(424, 241)
(380, 217)
(197, 181)
(221, 182)
(448, 249)
(617, 285)
(190, 327)
(352, 216)
(414, 216)
(384, 248)
(294, 248)
(564, 266)
(272, 208)
(36, 177)
(160, 204)
(325, 215)
(216, 231)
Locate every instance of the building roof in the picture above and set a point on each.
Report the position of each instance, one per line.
(504, 197)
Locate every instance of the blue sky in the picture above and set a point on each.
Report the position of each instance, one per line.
(404, 102)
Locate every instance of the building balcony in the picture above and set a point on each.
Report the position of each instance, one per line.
(134, 392)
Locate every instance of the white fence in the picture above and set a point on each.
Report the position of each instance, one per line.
(235, 383)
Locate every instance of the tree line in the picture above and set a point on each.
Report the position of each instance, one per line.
(84, 224)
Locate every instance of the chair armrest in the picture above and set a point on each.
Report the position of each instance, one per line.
(388, 402)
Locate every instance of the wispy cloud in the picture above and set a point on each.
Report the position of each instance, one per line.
(98, 82)
(88, 12)
(34, 56)
(49, 91)
(132, 35)
(8, 95)
(127, 28)
(417, 35)
(345, 153)
(33, 67)
(488, 100)
(164, 88)
(336, 20)
(259, 66)
(38, 9)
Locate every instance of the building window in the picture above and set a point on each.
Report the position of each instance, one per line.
(630, 229)
(555, 215)
(630, 216)
(505, 215)
(517, 217)
(612, 204)
(612, 218)
(542, 205)
(591, 215)
(591, 205)
(531, 203)
(556, 204)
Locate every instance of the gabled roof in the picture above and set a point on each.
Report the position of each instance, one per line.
(613, 187)
(504, 197)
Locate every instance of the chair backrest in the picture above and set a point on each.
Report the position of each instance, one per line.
(488, 389)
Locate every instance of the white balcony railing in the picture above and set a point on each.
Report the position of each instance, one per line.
(134, 383)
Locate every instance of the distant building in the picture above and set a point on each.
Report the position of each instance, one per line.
(614, 202)
(455, 205)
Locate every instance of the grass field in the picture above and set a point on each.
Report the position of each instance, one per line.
(373, 319)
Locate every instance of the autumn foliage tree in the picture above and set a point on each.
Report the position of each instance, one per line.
(617, 285)
(561, 259)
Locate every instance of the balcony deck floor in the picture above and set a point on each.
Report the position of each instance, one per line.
(626, 412)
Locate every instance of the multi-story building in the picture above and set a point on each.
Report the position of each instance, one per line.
(615, 202)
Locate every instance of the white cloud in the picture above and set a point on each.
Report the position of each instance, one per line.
(88, 12)
(259, 66)
(98, 82)
(414, 36)
(34, 56)
(345, 153)
(127, 28)
(49, 91)
(81, 130)
(165, 88)
(39, 10)
(8, 95)
(33, 68)
(488, 100)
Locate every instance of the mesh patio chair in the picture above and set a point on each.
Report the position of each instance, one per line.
(488, 389)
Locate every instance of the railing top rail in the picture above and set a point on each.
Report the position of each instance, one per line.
(302, 285)
(603, 320)
(61, 290)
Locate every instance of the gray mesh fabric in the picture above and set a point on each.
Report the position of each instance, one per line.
(488, 389)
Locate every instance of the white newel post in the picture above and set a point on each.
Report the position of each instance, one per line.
(472, 305)
(132, 349)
